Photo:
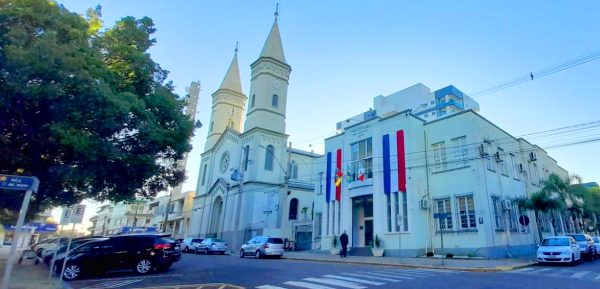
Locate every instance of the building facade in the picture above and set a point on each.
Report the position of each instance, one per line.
(251, 181)
(389, 172)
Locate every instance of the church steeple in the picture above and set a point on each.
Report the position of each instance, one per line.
(228, 105)
(268, 88)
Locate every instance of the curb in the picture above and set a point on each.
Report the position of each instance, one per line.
(484, 269)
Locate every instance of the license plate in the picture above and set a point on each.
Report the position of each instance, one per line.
(176, 247)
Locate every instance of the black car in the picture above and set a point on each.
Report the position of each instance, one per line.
(76, 242)
(140, 253)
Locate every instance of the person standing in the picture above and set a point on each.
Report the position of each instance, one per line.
(344, 242)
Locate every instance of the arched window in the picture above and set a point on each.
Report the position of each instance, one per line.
(269, 158)
(275, 101)
(293, 170)
(246, 156)
(293, 209)
(230, 123)
(252, 101)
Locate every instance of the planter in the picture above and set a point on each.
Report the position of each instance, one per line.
(377, 252)
(334, 251)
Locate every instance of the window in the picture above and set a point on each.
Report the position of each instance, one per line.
(501, 162)
(534, 175)
(498, 214)
(212, 125)
(466, 212)
(514, 166)
(269, 158)
(204, 174)
(318, 220)
(252, 100)
(362, 159)
(275, 100)
(293, 170)
(512, 217)
(443, 206)
(432, 102)
(404, 211)
(490, 162)
(389, 212)
(397, 208)
(246, 156)
(439, 157)
(293, 215)
(230, 123)
(460, 151)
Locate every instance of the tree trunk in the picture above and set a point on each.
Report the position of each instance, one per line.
(552, 221)
(562, 223)
(538, 225)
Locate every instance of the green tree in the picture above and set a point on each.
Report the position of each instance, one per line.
(86, 111)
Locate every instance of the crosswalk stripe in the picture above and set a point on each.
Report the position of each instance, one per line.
(306, 285)
(354, 280)
(390, 275)
(580, 274)
(372, 277)
(334, 282)
(268, 287)
(598, 277)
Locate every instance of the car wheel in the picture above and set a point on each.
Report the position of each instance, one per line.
(72, 272)
(206, 251)
(242, 255)
(143, 266)
(258, 255)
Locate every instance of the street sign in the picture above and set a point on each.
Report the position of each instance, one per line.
(22, 183)
(524, 220)
(72, 214)
(441, 215)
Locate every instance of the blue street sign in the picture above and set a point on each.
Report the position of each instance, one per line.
(8, 182)
(441, 215)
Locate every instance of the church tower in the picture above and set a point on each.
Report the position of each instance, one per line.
(269, 84)
(228, 104)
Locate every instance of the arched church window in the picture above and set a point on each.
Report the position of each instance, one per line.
(269, 158)
(293, 209)
(275, 101)
(252, 101)
(293, 170)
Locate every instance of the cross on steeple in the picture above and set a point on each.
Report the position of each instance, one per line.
(276, 10)
(236, 47)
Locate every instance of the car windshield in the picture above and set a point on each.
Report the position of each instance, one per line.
(217, 241)
(578, 237)
(275, 241)
(556, 242)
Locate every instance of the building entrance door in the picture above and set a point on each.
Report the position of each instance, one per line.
(362, 221)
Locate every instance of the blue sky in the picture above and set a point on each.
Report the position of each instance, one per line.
(343, 53)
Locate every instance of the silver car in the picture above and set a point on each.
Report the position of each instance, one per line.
(262, 246)
(189, 243)
(211, 246)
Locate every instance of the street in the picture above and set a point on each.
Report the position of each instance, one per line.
(280, 273)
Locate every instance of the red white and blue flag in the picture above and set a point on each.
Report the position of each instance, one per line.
(394, 168)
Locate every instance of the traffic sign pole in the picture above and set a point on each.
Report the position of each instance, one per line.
(62, 270)
(18, 234)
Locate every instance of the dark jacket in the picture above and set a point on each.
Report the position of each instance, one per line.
(344, 239)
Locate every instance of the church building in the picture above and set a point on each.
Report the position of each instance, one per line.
(251, 182)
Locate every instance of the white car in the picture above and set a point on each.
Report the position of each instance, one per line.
(559, 249)
(263, 246)
(189, 243)
(597, 244)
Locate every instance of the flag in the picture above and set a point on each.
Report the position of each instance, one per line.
(361, 172)
(338, 182)
(328, 179)
(348, 173)
(400, 173)
(339, 176)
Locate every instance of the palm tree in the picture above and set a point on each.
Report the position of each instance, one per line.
(539, 202)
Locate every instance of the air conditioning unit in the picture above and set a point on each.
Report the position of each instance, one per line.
(483, 150)
(521, 168)
(532, 156)
(423, 204)
(506, 205)
(498, 158)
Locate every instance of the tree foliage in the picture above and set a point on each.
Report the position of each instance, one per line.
(86, 111)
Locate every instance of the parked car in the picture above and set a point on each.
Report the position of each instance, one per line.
(188, 244)
(597, 245)
(586, 245)
(47, 255)
(140, 253)
(211, 246)
(559, 249)
(48, 244)
(262, 246)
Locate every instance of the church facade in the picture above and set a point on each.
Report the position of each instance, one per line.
(251, 182)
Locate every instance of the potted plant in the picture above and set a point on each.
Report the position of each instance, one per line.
(334, 246)
(377, 250)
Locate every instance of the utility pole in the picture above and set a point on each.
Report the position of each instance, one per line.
(286, 181)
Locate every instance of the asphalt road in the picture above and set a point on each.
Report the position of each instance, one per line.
(281, 273)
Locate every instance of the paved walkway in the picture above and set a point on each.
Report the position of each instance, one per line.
(449, 264)
(27, 275)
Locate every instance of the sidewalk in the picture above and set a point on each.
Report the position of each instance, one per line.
(449, 264)
(27, 275)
